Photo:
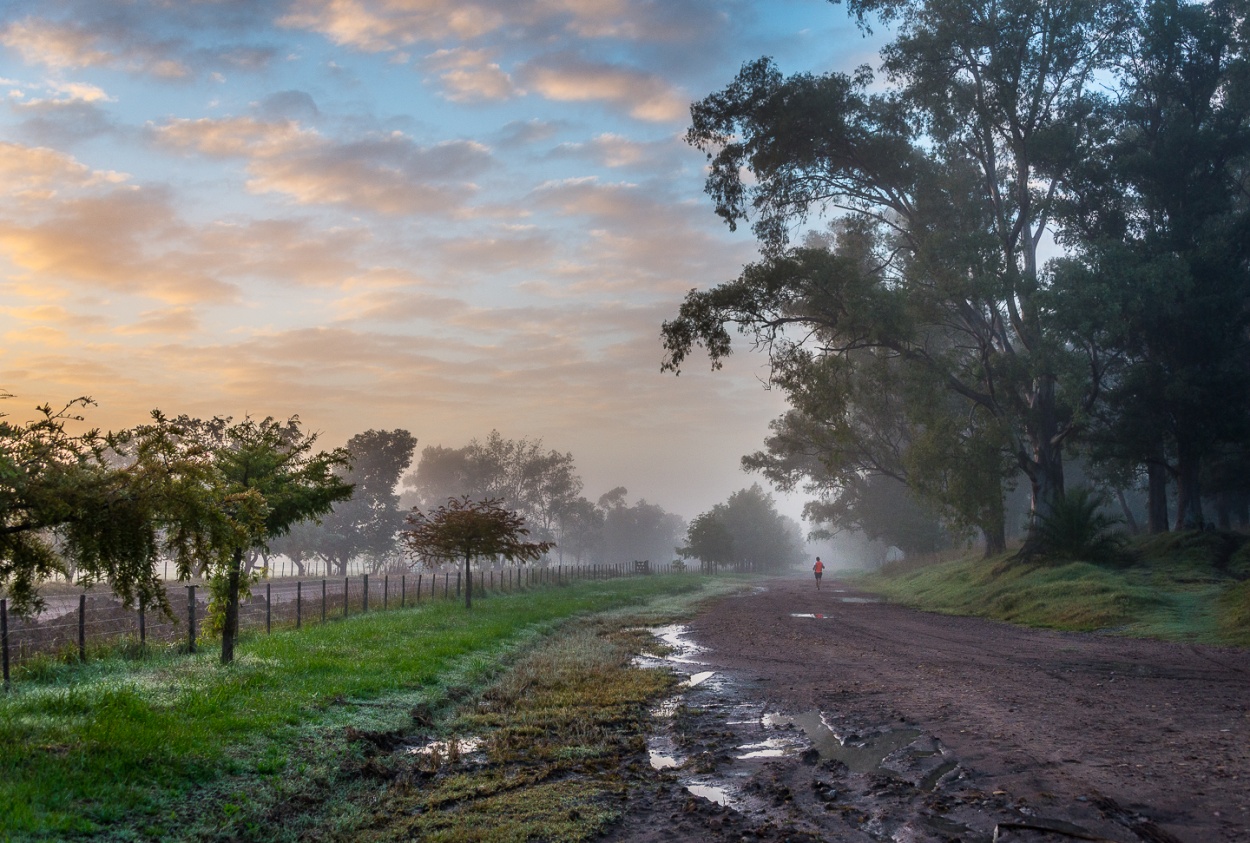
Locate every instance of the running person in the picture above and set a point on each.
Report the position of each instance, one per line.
(818, 569)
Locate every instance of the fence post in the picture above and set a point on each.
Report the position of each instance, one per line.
(268, 609)
(4, 638)
(447, 583)
(190, 619)
(457, 585)
(143, 627)
(323, 600)
(299, 604)
(365, 604)
(82, 627)
(346, 593)
(386, 586)
(403, 590)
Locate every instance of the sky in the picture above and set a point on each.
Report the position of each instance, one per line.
(445, 216)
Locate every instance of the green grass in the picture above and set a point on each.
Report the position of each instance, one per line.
(177, 746)
(1180, 587)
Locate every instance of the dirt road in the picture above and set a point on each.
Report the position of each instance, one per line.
(978, 729)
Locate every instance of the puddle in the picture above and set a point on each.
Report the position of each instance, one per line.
(698, 678)
(709, 792)
(663, 760)
(683, 650)
(771, 748)
(804, 615)
(859, 754)
(859, 599)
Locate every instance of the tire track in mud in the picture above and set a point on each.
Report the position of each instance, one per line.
(1028, 735)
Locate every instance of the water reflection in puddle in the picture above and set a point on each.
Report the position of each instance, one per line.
(771, 748)
(699, 678)
(709, 792)
(663, 760)
(683, 650)
(861, 754)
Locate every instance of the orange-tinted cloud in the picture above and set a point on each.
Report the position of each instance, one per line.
(570, 78)
(386, 174)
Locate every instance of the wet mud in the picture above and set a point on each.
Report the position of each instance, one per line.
(831, 716)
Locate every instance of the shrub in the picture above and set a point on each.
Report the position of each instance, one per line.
(1077, 530)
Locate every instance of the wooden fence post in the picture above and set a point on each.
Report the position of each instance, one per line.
(447, 583)
(143, 627)
(346, 592)
(4, 638)
(323, 600)
(365, 604)
(386, 585)
(82, 627)
(403, 590)
(268, 609)
(190, 619)
(299, 604)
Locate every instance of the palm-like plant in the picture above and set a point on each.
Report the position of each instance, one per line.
(1078, 530)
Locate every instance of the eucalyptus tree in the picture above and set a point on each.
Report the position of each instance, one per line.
(1160, 235)
(368, 523)
(943, 187)
(536, 482)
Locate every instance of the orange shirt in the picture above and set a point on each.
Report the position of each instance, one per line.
(819, 567)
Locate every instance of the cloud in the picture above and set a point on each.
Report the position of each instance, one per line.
(525, 132)
(471, 75)
(393, 24)
(40, 173)
(64, 45)
(382, 173)
(296, 106)
(179, 321)
(615, 151)
(387, 25)
(121, 240)
(568, 78)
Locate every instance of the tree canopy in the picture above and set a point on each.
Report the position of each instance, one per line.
(919, 333)
(467, 529)
(745, 531)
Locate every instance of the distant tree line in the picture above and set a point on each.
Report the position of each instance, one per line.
(745, 533)
(543, 486)
(932, 356)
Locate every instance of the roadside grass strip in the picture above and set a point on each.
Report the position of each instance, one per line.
(1173, 589)
(179, 747)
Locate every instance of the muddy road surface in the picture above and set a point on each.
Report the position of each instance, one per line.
(823, 715)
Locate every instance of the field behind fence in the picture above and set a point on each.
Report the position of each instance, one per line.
(76, 622)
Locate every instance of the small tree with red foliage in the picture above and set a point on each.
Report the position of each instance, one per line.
(467, 529)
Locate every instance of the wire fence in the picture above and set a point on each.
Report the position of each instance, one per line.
(77, 624)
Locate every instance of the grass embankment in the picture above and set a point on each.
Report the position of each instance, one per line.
(281, 744)
(1178, 586)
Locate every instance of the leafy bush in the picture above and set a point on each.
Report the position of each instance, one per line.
(1077, 530)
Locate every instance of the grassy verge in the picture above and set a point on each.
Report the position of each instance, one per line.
(1181, 587)
(179, 747)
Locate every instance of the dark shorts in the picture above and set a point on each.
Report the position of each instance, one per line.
(818, 573)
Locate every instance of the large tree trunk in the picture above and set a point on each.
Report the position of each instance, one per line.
(1188, 489)
(994, 528)
(1157, 485)
(230, 630)
(1044, 470)
(1129, 518)
(468, 583)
